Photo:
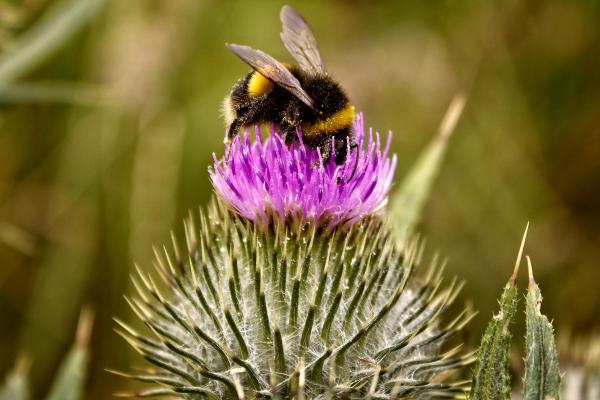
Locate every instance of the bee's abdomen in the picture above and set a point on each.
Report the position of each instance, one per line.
(335, 122)
(333, 113)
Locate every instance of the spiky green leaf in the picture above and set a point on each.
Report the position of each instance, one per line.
(16, 385)
(491, 377)
(542, 375)
(408, 201)
(68, 384)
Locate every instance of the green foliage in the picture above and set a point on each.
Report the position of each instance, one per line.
(528, 110)
(580, 361)
(491, 377)
(542, 375)
(409, 199)
(292, 312)
(59, 25)
(68, 384)
(16, 385)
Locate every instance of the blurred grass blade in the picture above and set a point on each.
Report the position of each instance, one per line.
(17, 238)
(491, 377)
(16, 385)
(53, 30)
(408, 201)
(68, 384)
(67, 266)
(542, 375)
(82, 94)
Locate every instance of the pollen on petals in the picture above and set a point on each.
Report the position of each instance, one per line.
(266, 180)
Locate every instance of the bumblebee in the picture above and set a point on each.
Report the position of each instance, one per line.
(292, 97)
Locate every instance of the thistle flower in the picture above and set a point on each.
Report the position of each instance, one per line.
(308, 309)
(265, 180)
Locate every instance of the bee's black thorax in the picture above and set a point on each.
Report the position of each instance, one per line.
(255, 100)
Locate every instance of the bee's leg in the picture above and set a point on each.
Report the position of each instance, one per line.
(353, 145)
(233, 130)
(245, 115)
(290, 133)
(289, 137)
(344, 143)
(289, 123)
(341, 150)
(325, 146)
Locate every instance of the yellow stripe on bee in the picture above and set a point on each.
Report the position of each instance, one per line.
(335, 122)
(259, 85)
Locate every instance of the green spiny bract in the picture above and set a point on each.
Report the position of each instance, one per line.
(294, 313)
(491, 375)
(542, 375)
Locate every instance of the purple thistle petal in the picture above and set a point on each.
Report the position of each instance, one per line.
(266, 179)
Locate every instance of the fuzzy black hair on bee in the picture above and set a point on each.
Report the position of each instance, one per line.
(293, 97)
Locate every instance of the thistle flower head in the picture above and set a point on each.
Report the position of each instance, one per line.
(321, 304)
(294, 314)
(267, 180)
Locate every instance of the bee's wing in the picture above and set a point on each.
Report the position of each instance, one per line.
(271, 69)
(300, 41)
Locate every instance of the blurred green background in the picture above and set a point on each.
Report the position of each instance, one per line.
(105, 143)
